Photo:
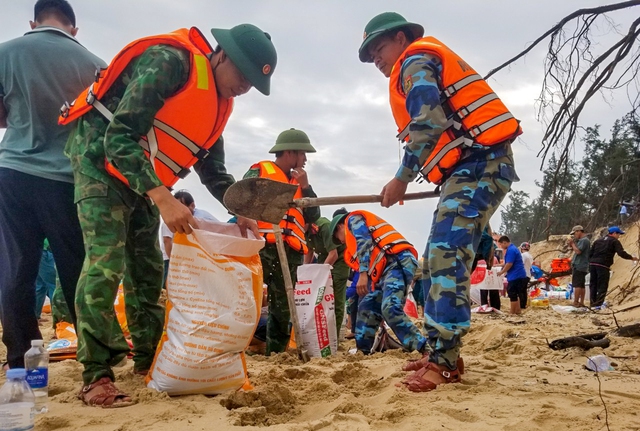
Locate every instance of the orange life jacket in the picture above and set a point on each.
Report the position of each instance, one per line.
(292, 224)
(386, 241)
(190, 121)
(475, 113)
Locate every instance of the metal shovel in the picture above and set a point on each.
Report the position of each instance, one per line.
(268, 200)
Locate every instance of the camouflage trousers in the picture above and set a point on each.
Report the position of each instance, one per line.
(468, 199)
(120, 230)
(340, 276)
(278, 327)
(386, 302)
(59, 308)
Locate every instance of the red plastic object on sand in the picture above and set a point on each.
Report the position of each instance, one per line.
(561, 265)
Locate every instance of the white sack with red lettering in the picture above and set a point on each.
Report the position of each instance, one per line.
(316, 310)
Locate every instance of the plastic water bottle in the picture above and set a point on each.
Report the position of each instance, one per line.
(16, 402)
(36, 361)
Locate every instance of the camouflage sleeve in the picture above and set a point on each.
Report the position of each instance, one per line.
(213, 173)
(311, 214)
(252, 173)
(420, 77)
(364, 240)
(159, 72)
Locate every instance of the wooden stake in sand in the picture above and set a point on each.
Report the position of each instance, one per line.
(288, 284)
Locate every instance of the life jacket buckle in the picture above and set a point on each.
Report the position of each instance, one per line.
(64, 110)
(90, 97)
(462, 113)
(183, 173)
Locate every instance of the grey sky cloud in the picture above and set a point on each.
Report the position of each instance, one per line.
(320, 86)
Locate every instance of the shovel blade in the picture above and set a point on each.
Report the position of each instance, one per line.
(260, 199)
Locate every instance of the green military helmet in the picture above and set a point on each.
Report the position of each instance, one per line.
(382, 23)
(294, 140)
(334, 223)
(252, 51)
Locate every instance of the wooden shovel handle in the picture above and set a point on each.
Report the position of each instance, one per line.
(358, 199)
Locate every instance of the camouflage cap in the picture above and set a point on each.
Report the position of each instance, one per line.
(294, 140)
(382, 23)
(252, 51)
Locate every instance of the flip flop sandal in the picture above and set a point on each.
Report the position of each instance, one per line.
(103, 393)
(428, 378)
(416, 364)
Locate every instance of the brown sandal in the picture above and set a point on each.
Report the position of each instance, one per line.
(103, 393)
(416, 364)
(429, 377)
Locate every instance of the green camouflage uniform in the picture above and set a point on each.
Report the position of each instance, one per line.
(322, 243)
(119, 222)
(59, 307)
(278, 327)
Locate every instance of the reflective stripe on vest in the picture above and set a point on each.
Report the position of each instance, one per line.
(292, 223)
(386, 241)
(476, 113)
(189, 123)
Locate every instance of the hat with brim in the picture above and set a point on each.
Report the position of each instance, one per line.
(251, 51)
(293, 140)
(381, 24)
(616, 229)
(332, 227)
(576, 229)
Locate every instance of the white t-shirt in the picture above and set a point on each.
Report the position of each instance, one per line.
(527, 260)
(166, 233)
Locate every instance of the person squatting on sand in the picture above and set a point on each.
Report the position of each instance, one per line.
(386, 262)
(160, 107)
(458, 135)
(38, 71)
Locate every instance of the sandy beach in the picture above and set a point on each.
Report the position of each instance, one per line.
(513, 380)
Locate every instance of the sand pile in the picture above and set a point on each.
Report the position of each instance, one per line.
(512, 380)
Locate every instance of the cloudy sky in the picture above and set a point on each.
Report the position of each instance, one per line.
(321, 87)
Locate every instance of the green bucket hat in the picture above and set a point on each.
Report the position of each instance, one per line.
(382, 23)
(252, 51)
(334, 223)
(294, 140)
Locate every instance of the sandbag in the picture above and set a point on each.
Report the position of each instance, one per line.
(214, 291)
(316, 309)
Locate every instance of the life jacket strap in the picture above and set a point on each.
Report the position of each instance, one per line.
(461, 141)
(475, 131)
(150, 142)
(466, 110)
(459, 85)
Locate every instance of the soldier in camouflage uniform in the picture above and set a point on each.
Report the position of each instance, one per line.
(471, 188)
(383, 294)
(290, 151)
(320, 241)
(120, 222)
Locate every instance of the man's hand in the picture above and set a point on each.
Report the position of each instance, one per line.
(177, 216)
(300, 175)
(393, 192)
(362, 286)
(246, 223)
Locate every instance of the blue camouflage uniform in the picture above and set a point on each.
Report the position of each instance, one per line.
(386, 299)
(468, 198)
